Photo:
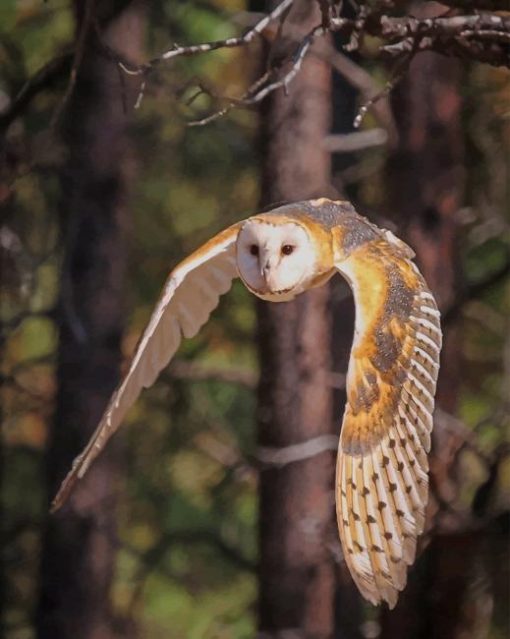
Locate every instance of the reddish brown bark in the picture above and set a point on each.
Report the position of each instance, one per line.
(296, 501)
(426, 188)
(78, 554)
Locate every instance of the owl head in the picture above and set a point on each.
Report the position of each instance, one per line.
(276, 260)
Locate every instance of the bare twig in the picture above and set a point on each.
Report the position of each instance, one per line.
(357, 141)
(297, 452)
(78, 56)
(40, 81)
(206, 47)
(259, 89)
(403, 27)
(232, 102)
(195, 371)
(388, 87)
(481, 36)
(448, 35)
(361, 80)
(454, 36)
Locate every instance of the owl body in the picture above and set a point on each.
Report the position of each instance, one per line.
(382, 466)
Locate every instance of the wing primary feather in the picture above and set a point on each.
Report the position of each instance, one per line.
(427, 295)
(418, 458)
(360, 559)
(425, 374)
(403, 509)
(422, 391)
(427, 359)
(387, 522)
(431, 310)
(426, 339)
(412, 484)
(427, 324)
(383, 534)
(370, 534)
(407, 484)
(161, 339)
(346, 527)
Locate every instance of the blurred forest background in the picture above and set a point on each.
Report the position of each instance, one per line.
(199, 521)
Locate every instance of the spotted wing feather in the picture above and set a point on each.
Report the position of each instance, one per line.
(191, 293)
(382, 468)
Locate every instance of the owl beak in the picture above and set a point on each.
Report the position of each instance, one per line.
(266, 265)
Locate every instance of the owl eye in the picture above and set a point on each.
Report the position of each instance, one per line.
(254, 249)
(287, 249)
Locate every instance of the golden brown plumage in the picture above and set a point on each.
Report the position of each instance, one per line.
(382, 481)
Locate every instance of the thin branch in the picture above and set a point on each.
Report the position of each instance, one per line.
(40, 81)
(448, 35)
(195, 371)
(397, 76)
(232, 102)
(361, 80)
(206, 47)
(259, 89)
(483, 37)
(441, 26)
(198, 372)
(296, 452)
(298, 58)
(77, 60)
(453, 36)
(356, 141)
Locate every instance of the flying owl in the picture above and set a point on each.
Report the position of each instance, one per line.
(382, 466)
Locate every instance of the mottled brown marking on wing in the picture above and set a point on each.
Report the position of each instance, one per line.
(391, 381)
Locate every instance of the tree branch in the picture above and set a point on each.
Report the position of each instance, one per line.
(42, 80)
(296, 452)
(228, 43)
(482, 37)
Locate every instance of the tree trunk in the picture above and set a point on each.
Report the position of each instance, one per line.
(426, 188)
(78, 551)
(296, 578)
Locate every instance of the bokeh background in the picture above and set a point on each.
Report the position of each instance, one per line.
(183, 527)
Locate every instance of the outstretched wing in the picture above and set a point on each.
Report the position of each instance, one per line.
(382, 467)
(191, 292)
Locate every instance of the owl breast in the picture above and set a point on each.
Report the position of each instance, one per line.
(275, 296)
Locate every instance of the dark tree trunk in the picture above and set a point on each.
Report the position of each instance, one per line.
(426, 188)
(296, 501)
(349, 603)
(78, 551)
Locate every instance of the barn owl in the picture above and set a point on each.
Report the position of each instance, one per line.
(381, 477)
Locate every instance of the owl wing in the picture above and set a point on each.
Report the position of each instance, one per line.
(191, 293)
(382, 466)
